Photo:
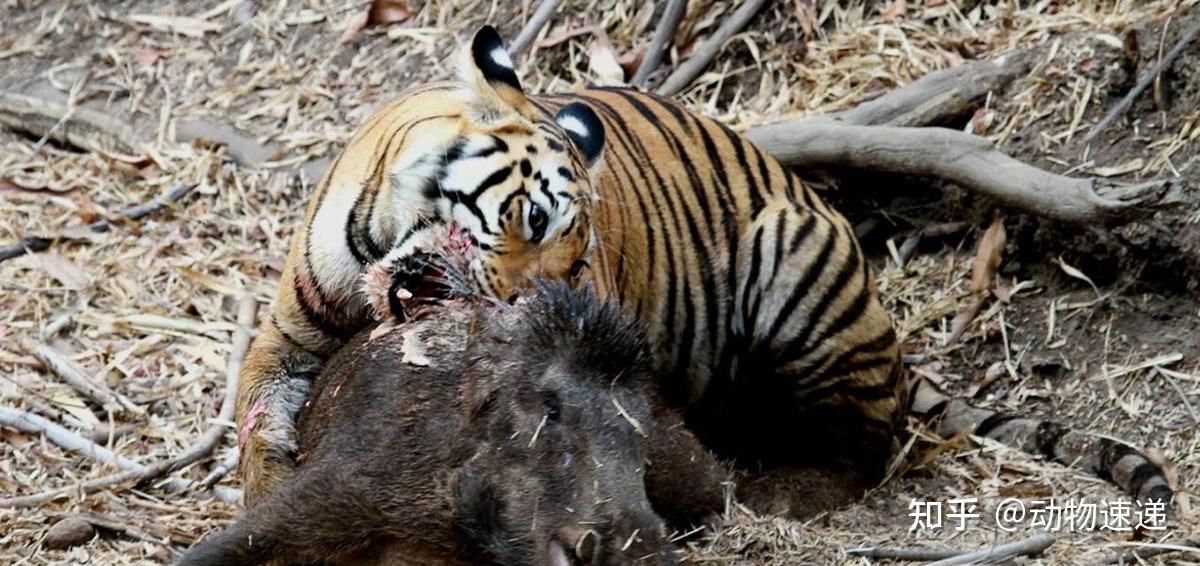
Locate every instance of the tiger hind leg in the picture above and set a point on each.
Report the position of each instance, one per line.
(814, 400)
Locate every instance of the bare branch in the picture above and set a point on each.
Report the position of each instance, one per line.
(910, 554)
(63, 438)
(663, 34)
(541, 16)
(694, 65)
(74, 376)
(228, 464)
(969, 161)
(1025, 547)
(1144, 82)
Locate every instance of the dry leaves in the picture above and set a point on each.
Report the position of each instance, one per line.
(63, 270)
(603, 63)
(983, 270)
(387, 12)
(987, 257)
(1077, 274)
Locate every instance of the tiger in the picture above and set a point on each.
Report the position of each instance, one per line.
(767, 326)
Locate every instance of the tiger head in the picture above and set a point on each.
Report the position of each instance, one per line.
(519, 181)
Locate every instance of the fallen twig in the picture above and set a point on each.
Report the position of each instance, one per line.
(102, 434)
(667, 24)
(912, 554)
(30, 423)
(1150, 550)
(79, 126)
(700, 58)
(134, 472)
(1025, 547)
(541, 16)
(961, 158)
(228, 464)
(1144, 82)
(40, 243)
(74, 376)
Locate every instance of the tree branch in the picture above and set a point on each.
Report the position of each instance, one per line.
(74, 376)
(694, 65)
(1144, 82)
(963, 159)
(663, 34)
(540, 17)
(1025, 547)
(79, 126)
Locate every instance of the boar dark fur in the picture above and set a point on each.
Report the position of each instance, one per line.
(485, 433)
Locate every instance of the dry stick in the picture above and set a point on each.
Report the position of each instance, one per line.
(74, 376)
(969, 161)
(541, 16)
(1151, 550)
(141, 529)
(63, 438)
(912, 554)
(1144, 82)
(663, 34)
(1025, 547)
(82, 127)
(102, 434)
(134, 472)
(940, 96)
(228, 464)
(703, 55)
(39, 243)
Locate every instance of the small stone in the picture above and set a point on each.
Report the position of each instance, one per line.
(68, 532)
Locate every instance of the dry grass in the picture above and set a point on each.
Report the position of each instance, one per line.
(284, 78)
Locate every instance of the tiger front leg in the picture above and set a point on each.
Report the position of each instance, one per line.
(272, 386)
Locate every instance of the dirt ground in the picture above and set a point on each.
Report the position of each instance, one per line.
(1100, 329)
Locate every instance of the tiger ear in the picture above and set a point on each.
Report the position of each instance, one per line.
(488, 72)
(584, 128)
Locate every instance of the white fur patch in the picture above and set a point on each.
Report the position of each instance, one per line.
(412, 350)
(500, 57)
(573, 124)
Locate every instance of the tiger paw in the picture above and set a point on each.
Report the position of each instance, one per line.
(402, 288)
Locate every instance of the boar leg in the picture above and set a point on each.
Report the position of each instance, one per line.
(312, 519)
(684, 481)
